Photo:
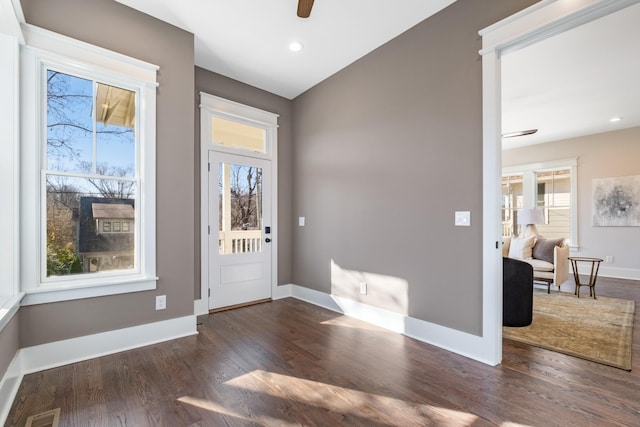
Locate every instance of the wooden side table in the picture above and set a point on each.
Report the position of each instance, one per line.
(595, 266)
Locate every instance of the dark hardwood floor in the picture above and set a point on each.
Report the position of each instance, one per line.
(291, 363)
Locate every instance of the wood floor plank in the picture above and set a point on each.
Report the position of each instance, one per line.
(290, 363)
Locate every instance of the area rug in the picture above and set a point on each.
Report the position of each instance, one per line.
(597, 330)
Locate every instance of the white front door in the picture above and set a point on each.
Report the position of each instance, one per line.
(240, 229)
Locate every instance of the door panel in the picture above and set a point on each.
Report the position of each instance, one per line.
(240, 272)
(239, 214)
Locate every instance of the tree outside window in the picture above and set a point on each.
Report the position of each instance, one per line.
(90, 160)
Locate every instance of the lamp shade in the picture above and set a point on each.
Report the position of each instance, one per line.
(530, 216)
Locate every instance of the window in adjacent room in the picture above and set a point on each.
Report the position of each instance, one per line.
(511, 201)
(550, 186)
(554, 197)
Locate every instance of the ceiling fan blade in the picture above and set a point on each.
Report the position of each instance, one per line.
(304, 8)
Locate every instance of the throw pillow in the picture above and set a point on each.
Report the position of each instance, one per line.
(543, 248)
(506, 244)
(522, 248)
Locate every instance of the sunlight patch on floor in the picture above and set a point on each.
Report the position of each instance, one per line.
(347, 401)
(208, 405)
(361, 325)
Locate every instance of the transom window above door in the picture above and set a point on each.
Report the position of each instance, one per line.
(237, 135)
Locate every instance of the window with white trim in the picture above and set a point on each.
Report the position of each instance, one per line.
(88, 168)
(553, 196)
(9, 216)
(90, 175)
(550, 186)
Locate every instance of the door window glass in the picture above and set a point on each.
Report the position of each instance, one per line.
(240, 208)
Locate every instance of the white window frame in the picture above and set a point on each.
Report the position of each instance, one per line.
(44, 49)
(10, 39)
(530, 192)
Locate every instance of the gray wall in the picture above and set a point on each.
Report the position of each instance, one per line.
(114, 26)
(385, 152)
(224, 87)
(599, 156)
(9, 344)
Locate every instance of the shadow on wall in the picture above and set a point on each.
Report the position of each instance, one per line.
(379, 290)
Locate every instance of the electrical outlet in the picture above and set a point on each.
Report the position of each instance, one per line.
(161, 302)
(609, 258)
(363, 288)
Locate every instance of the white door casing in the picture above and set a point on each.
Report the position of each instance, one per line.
(214, 108)
(536, 23)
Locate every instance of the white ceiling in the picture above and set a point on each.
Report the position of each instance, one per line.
(248, 40)
(567, 86)
(571, 85)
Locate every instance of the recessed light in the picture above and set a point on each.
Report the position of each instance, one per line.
(615, 119)
(295, 46)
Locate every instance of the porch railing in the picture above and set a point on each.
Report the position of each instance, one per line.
(240, 241)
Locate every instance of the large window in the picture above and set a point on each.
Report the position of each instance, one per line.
(549, 186)
(88, 170)
(91, 176)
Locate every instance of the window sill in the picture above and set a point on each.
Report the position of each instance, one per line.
(49, 294)
(9, 308)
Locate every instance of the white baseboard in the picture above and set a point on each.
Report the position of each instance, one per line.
(282, 291)
(9, 387)
(59, 353)
(200, 307)
(617, 272)
(45, 356)
(465, 344)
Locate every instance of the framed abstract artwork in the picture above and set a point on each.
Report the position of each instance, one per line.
(616, 202)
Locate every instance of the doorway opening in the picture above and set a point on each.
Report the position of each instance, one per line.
(238, 200)
(536, 23)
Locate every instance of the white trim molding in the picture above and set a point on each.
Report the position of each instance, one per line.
(9, 309)
(9, 385)
(214, 106)
(536, 23)
(58, 353)
(101, 288)
(282, 291)
(89, 57)
(613, 272)
(10, 39)
(465, 344)
(43, 50)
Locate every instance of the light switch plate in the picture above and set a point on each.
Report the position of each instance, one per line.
(301, 221)
(463, 218)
